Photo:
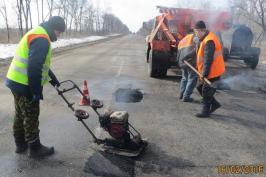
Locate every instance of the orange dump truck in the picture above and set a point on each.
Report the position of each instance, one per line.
(173, 24)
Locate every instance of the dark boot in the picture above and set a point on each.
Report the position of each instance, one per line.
(215, 105)
(205, 111)
(188, 100)
(37, 150)
(21, 144)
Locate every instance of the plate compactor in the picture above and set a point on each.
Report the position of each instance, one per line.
(125, 139)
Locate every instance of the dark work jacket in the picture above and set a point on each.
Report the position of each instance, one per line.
(208, 56)
(38, 50)
(188, 54)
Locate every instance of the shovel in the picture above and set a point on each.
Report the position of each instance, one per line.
(196, 71)
(209, 91)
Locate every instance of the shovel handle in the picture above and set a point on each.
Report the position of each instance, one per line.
(196, 71)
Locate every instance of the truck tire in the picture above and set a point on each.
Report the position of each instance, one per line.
(253, 61)
(163, 72)
(152, 69)
(148, 53)
(158, 64)
(225, 54)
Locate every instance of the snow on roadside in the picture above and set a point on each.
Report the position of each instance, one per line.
(8, 50)
(71, 41)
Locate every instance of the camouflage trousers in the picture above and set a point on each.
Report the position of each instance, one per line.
(26, 120)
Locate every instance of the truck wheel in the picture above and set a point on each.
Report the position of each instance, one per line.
(163, 72)
(152, 70)
(158, 64)
(225, 54)
(254, 62)
(148, 53)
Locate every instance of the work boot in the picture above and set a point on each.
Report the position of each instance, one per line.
(37, 150)
(21, 145)
(205, 111)
(215, 105)
(188, 99)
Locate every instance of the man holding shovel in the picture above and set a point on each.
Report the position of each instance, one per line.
(210, 66)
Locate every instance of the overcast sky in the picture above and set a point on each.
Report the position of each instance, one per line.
(131, 12)
(134, 12)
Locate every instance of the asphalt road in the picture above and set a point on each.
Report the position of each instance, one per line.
(180, 145)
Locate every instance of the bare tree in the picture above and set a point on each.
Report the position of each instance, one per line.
(73, 8)
(26, 12)
(74, 13)
(253, 10)
(4, 14)
(79, 15)
(82, 4)
(50, 7)
(147, 27)
(19, 15)
(58, 6)
(112, 24)
(29, 12)
(97, 20)
(89, 18)
(64, 7)
(38, 13)
(42, 11)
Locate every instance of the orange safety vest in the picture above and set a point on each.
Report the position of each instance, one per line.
(217, 66)
(186, 41)
(185, 46)
(179, 36)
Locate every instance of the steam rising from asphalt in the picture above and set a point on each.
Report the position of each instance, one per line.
(128, 95)
(248, 80)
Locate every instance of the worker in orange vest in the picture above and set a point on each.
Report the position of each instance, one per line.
(210, 64)
(187, 51)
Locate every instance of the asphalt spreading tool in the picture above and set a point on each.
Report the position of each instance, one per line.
(125, 139)
(209, 90)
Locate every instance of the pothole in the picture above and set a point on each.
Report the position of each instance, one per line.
(128, 95)
(105, 164)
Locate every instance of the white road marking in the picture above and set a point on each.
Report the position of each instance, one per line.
(120, 68)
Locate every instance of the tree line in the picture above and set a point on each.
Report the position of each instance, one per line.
(252, 13)
(80, 16)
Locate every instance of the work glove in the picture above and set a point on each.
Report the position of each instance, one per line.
(54, 81)
(35, 99)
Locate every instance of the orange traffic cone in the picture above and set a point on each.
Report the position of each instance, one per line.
(84, 101)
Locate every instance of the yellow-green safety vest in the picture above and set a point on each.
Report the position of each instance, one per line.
(18, 70)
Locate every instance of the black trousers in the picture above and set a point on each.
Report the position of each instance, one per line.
(203, 90)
